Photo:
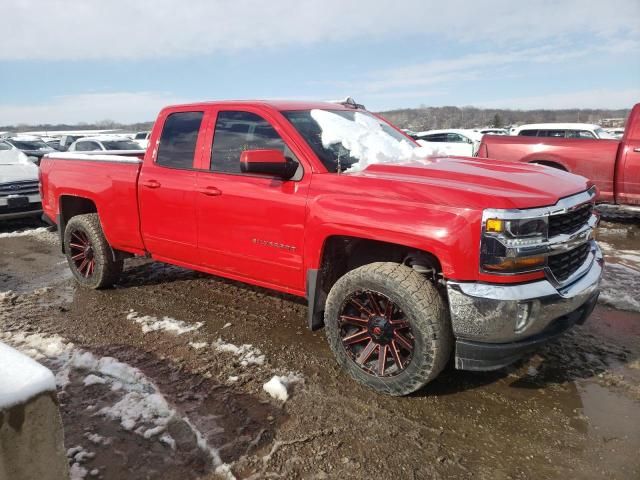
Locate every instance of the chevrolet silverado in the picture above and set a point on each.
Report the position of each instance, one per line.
(407, 262)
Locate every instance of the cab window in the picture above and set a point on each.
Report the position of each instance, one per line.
(178, 140)
(238, 131)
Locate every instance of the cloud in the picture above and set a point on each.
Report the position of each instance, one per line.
(596, 98)
(121, 29)
(126, 107)
(420, 80)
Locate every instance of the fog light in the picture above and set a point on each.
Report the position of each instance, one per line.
(522, 317)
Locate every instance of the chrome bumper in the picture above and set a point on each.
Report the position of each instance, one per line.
(494, 313)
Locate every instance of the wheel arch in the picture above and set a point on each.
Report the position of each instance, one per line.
(70, 206)
(343, 253)
(550, 163)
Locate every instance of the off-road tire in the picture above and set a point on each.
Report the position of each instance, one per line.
(106, 270)
(422, 305)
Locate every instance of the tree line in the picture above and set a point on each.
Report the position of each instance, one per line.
(417, 119)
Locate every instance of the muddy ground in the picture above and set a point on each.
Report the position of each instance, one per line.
(572, 410)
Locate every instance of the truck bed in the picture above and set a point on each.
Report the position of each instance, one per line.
(593, 159)
(109, 181)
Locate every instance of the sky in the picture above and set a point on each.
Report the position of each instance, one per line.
(122, 60)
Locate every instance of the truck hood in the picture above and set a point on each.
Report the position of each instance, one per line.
(480, 182)
(15, 167)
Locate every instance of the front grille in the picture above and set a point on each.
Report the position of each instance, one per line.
(28, 187)
(564, 265)
(569, 222)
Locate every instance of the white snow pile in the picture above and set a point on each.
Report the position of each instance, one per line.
(142, 408)
(21, 378)
(278, 386)
(366, 140)
(246, 354)
(167, 324)
(25, 233)
(620, 286)
(76, 456)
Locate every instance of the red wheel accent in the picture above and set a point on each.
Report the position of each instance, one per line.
(376, 334)
(82, 254)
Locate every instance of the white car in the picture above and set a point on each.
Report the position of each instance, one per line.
(491, 131)
(458, 142)
(142, 139)
(562, 130)
(19, 185)
(617, 133)
(104, 143)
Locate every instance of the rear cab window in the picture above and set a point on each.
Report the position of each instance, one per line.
(178, 140)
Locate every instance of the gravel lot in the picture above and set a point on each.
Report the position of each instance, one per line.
(569, 411)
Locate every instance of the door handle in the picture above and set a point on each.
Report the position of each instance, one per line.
(637, 150)
(151, 184)
(210, 191)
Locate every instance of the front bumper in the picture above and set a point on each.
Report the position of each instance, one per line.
(495, 324)
(32, 208)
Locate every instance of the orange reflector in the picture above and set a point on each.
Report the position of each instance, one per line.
(516, 264)
(494, 225)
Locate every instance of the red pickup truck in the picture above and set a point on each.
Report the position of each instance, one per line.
(406, 264)
(613, 165)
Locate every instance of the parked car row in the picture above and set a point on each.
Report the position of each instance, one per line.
(19, 185)
(20, 156)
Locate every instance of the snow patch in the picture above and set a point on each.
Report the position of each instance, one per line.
(278, 386)
(167, 324)
(198, 345)
(142, 408)
(26, 233)
(620, 286)
(77, 472)
(93, 380)
(366, 140)
(168, 440)
(21, 378)
(247, 354)
(97, 439)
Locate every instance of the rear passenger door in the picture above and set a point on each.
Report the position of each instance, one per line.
(251, 226)
(166, 188)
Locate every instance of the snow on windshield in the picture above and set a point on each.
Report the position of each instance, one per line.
(366, 140)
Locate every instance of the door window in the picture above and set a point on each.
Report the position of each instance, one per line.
(178, 140)
(528, 133)
(580, 134)
(437, 137)
(457, 138)
(239, 131)
(87, 147)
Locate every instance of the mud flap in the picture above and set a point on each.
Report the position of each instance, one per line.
(316, 299)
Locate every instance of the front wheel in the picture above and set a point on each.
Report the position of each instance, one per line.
(89, 255)
(388, 327)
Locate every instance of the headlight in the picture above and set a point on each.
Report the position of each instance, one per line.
(513, 245)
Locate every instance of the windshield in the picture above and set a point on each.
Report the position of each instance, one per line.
(120, 145)
(30, 145)
(350, 140)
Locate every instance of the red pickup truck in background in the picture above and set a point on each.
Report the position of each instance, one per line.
(406, 264)
(613, 165)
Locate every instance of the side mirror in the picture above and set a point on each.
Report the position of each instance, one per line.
(268, 162)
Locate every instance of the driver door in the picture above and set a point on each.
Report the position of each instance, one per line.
(250, 226)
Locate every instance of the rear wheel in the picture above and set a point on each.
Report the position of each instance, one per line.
(388, 327)
(89, 256)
